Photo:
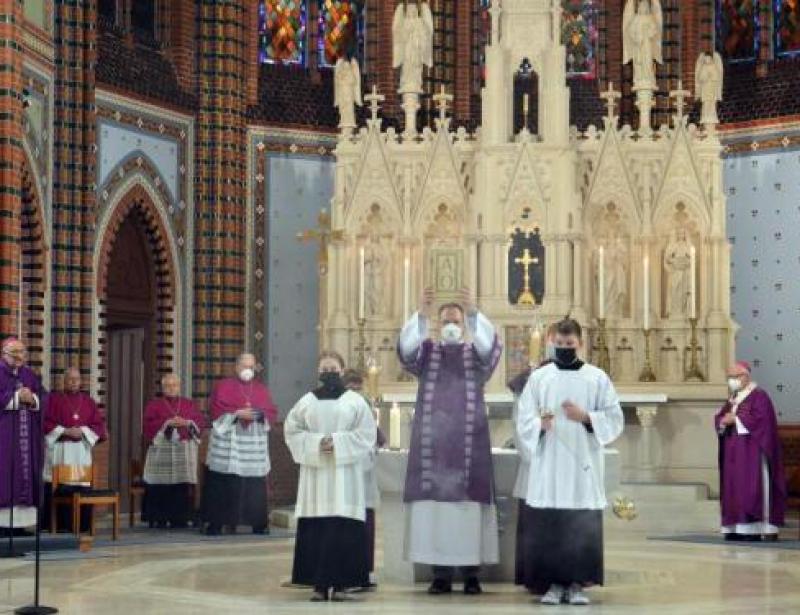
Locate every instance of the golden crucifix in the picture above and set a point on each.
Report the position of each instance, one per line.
(526, 260)
(323, 235)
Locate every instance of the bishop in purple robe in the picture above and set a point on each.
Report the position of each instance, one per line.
(22, 398)
(752, 482)
(451, 517)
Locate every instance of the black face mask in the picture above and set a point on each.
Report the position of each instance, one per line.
(331, 380)
(566, 356)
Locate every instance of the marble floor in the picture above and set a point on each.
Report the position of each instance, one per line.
(642, 577)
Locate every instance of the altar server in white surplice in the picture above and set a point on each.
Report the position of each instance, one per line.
(567, 413)
(331, 434)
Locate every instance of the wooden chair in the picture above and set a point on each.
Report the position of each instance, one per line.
(81, 476)
(790, 440)
(136, 490)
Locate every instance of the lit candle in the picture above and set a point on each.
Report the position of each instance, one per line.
(525, 108)
(601, 283)
(406, 285)
(394, 426)
(646, 282)
(361, 280)
(693, 289)
(534, 347)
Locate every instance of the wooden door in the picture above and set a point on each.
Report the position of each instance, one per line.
(125, 400)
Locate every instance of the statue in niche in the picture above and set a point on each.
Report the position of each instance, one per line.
(412, 48)
(347, 92)
(642, 23)
(616, 274)
(375, 262)
(708, 86)
(677, 265)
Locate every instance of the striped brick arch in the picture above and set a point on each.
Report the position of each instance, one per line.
(33, 271)
(137, 205)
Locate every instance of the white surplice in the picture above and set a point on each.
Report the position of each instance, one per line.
(331, 485)
(450, 533)
(566, 463)
(67, 453)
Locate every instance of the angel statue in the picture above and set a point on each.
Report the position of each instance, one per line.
(708, 86)
(412, 35)
(642, 24)
(347, 92)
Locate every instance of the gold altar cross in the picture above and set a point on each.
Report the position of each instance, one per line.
(323, 235)
(526, 260)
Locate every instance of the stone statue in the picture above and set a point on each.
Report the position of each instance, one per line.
(347, 92)
(642, 24)
(708, 86)
(412, 35)
(677, 264)
(616, 278)
(374, 278)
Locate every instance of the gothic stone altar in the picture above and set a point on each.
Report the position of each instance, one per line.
(621, 227)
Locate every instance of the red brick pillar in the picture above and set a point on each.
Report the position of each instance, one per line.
(11, 160)
(74, 176)
(251, 52)
(464, 45)
(182, 20)
(221, 176)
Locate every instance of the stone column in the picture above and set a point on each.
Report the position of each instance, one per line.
(646, 414)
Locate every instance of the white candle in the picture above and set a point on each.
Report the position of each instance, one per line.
(646, 282)
(601, 283)
(693, 289)
(525, 108)
(406, 285)
(361, 281)
(394, 426)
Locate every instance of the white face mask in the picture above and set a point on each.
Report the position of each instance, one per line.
(246, 374)
(734, 385)
(451, 333)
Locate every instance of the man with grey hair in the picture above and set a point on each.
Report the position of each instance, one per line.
(237, 464)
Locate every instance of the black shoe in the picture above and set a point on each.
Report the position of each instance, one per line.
(260, 530)
(162, 525)
(213, 530)
(733, 537)
(319, 595)
(769, 537)
(179, 525)
(231, 529)
(472, 587)
(751, 538)
(440, 586)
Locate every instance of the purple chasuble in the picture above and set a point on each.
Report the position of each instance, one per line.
(741, 488)
(22, 430)
(451, 457)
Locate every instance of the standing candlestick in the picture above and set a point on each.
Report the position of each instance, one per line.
(693, 372)
(603, 357)
(647, 374)
(646, 291)
(362, 264)
(693, 287)
(534, 347)
(601, 284)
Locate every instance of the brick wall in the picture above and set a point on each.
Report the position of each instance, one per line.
(11, 161)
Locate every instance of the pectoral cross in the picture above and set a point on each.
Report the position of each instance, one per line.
(323, 235)
(526, 260)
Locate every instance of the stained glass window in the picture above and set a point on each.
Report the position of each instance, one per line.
(341, 30)
(736, 29)
(579, 35)
(787, 26)
(282, 31)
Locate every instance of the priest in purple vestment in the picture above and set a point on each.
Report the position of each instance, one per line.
(21, 399)
(451, 517)
(752, 483)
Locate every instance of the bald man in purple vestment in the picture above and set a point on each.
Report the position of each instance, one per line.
(752, 482)
(22, 398)
(451, 517)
